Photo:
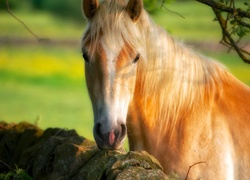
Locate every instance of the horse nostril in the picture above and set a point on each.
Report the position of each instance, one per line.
(123, 132)
(97, 130)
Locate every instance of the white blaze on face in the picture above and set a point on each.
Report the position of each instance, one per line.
(112, 107)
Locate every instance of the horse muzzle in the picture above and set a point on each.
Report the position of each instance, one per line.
(113, 139)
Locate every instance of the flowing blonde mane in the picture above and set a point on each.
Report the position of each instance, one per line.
(174, 78)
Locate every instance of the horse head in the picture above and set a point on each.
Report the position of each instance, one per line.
(110, 66)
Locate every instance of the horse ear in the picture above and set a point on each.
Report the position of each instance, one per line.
(134, 9)
(89, 7)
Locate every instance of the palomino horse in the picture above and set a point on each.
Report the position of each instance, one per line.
(176, 104)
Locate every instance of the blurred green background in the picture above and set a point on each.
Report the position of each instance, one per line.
(43, 82)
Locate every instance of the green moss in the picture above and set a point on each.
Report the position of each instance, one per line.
(17, 174)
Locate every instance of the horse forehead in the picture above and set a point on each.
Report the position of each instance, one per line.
(111, 50)
(108, 47)
(118, 54)
(112, 42)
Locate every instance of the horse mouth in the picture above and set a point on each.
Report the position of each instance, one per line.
(112, 140)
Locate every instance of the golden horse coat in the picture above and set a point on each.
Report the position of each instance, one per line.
(178, 105)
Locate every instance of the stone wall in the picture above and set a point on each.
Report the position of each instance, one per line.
(63, 154)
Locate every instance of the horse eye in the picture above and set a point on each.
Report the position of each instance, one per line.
(85, 56)
(136, 58)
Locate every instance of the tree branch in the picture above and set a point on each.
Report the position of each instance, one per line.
(235, 16)
(26, 27)
(190, 167)
(224, 8)
(228, 39)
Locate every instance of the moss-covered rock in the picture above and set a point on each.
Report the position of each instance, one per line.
(62, 154)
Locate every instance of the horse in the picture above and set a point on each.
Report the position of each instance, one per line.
(183, 108)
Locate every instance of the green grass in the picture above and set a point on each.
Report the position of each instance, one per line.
(46, 84)
(42, 24)
(66, 105)
(42, 60)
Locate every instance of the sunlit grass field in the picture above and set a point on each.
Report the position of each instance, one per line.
(44, 83)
